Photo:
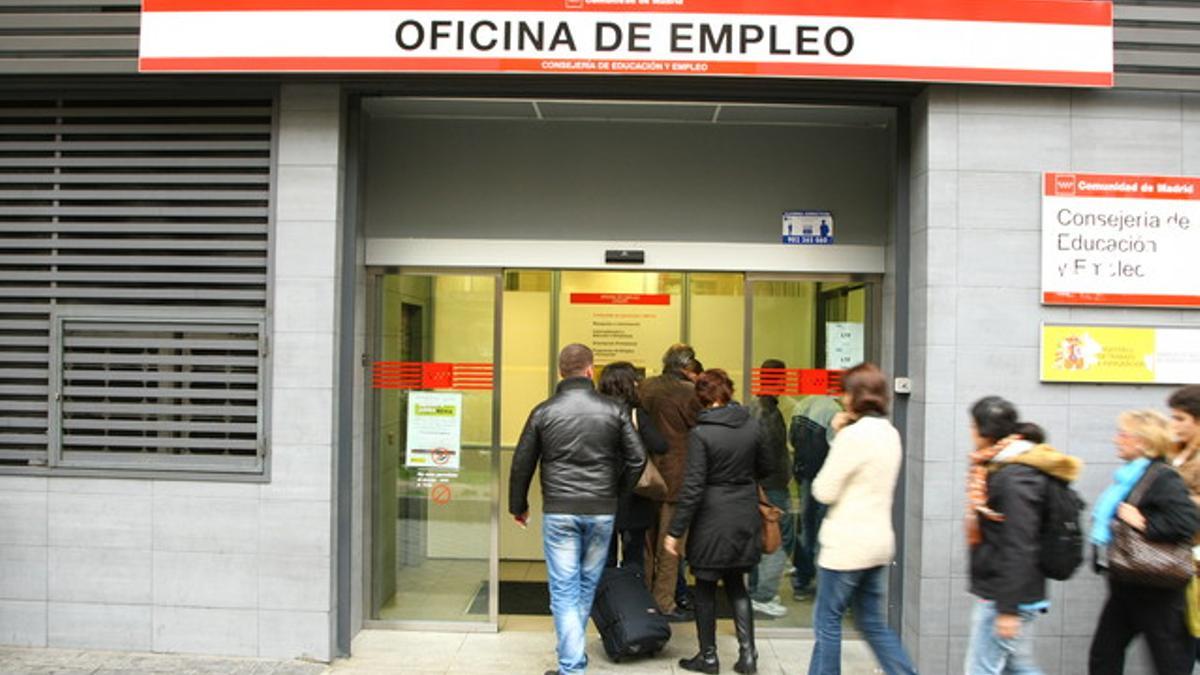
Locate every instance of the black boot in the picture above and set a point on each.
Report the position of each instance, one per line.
(743, 624)
(706, 630)
(704, 662)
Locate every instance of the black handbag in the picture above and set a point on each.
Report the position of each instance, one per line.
(1134, 559)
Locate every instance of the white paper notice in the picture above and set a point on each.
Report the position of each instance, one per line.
(434, 431)
(843, 345)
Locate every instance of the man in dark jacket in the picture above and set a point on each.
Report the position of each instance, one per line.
(764, 581)
(811, 434)
(589, 453)
(671, 399)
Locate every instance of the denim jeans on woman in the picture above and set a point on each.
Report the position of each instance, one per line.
(863, 590)
(576, 547)
(988, 654)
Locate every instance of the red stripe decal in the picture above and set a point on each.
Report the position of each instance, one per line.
(1072, 12)
(428, 375)
(1121, 299)
(469, 65)
(795, 382)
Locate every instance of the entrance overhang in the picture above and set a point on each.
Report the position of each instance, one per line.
(659, 255)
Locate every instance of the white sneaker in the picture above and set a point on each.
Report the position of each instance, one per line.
(772, 609)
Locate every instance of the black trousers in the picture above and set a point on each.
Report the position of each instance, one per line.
(1153, 612)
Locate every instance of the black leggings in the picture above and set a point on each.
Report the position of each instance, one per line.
(706, 604)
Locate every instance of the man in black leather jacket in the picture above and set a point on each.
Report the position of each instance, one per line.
(589, 452)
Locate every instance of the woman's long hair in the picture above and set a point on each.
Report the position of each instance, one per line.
(619, 380)
(867, 388)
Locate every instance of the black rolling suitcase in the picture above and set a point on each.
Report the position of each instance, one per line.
(625, 614)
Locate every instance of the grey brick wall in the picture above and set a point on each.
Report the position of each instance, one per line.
(208, 567)
(978, 153)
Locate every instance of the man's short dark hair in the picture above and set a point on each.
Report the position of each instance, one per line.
(677, 357)
(1186, 399)
(574, 360)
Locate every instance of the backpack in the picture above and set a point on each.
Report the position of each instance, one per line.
(1061, 548)
(811, 443)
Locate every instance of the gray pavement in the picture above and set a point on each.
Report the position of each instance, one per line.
(41, 661)
(376, 652)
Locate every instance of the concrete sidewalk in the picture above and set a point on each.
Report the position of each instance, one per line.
(42, 661)
(375, 652)
(532, 653)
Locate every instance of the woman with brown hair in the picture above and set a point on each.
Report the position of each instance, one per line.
(857, 482)
(718, 509)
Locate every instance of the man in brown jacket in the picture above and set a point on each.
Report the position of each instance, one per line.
(671, 399)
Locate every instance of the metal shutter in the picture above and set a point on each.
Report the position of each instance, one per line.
(1157, 44)
(124, 204)
(69, 36)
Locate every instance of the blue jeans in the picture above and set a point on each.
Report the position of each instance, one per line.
(804, 555)
(835, 592)
(576, 548)
(765, 577)
(988, 654)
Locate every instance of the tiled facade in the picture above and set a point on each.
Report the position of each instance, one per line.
(249, 568)
(974, 298)
(208, 567)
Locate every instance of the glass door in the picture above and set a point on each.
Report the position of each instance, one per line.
(434, 459)
(800, 332)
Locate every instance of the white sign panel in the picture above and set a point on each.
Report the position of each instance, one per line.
(1120, 240)
(1047, 42)
(434, 431)
(807, 227)
(843, 345)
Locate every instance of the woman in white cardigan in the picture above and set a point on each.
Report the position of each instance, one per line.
(857, 481)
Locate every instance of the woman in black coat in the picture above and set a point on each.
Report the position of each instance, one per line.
(718, 509)
(635, 514)
(1164, 512)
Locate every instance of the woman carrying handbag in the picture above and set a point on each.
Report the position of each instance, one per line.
(1145, 522)
(718, 509)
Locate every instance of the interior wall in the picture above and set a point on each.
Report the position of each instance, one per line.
(584, 180)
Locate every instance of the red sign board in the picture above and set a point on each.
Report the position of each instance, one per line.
(620, 299)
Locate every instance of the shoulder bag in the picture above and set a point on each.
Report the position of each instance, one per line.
(651, 484)
(1134, 559)
(772, 537)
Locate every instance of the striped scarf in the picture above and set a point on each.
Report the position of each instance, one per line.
(977, 490)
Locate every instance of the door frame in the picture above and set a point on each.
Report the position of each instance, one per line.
(872, 351)
(492, 624)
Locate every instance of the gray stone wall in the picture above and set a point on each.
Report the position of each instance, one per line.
(978, 154)
(208, 567)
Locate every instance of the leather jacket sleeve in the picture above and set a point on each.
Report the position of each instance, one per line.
(1018, 494)
(1168, 508)
(525, 462)
(633, 453)
(694, 480)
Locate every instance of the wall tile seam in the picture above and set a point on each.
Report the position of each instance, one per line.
(304, 277)
(300, 331)
(1009, 115)
(309, 165)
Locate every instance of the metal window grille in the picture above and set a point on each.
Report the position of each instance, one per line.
(157, 394)
(124, 203)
